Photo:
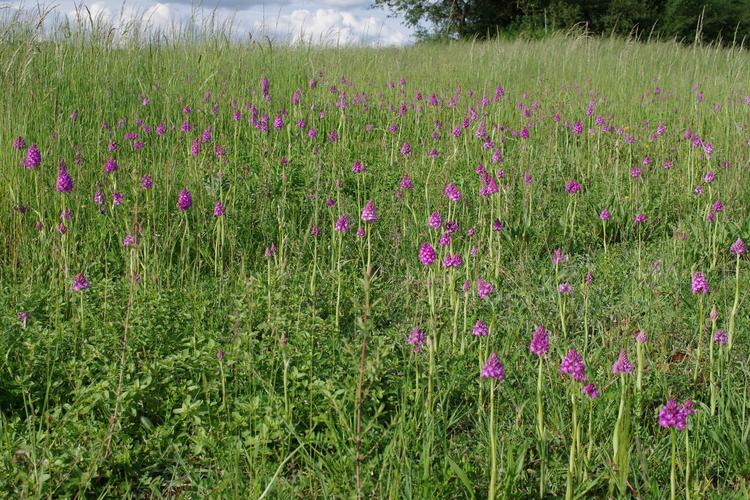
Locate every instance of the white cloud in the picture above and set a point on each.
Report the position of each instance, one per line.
(347, 22)
(329, 26)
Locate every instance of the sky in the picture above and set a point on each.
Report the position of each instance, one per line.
(320, 22)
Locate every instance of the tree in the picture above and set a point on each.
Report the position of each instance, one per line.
(725, 19)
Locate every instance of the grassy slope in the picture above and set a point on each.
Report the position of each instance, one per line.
(62, 377)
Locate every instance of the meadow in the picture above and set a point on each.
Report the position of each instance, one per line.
(506, 269)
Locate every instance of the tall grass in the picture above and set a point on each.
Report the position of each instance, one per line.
(199, 364)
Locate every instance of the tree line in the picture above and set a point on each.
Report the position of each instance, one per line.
(723, 21)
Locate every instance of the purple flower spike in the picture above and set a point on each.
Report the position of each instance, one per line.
(480, 329)
(572, 187)
(219, 209)
(557, 256)
(721, 337)
(64, 181)
(368, 212)
(79, 283)
(591, 391)
(184, 200)
(452, 193)
(738, 248)
(416, 338)
(493, 368)
(427, 254)
(539, 342)
(484, 288)
(33, 157)
(699, 284)
(342, 224)
(622, 365)
(129, 241)
(111, 166)
(573, 365)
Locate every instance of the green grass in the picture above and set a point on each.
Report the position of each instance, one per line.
(118, 390)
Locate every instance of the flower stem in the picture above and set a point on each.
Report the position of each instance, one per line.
(493, 449)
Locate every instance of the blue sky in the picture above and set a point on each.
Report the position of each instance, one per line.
(322, 21)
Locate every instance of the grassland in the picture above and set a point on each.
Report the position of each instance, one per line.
(263, 352)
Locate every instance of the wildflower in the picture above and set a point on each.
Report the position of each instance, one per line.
(368, 212)
(270, 251)
(427, 254)
(360, 232)
(79, 283)
(565, 288)
(497, 226)
(641, 337)
(493, 368)
(639, 218)
(435, 221)
(342, 224)
(539, 342)
(129, 240)
(454, 260)
(589, 278)
(19, 144)
(23, 317)
(622, 365)
(99, 199)
(675, 416)
(146, 182)
(358, 167)
(480, 329)
(699, 284)
(416, 338)
(111, 166)
(64, 181)
(117, 199)
(406, 149)
(33, 157)
(219, 209)
(315, 231)
(738, 248)
(721, 337)
(445, 239)
(605, 215)
(557, 256)
(406, 182)
(484, 288)
(591, 391)
(573, 365)
(184, 200)
(572, 187)
(452, 193)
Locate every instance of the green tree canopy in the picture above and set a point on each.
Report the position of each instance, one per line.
(725, 20)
